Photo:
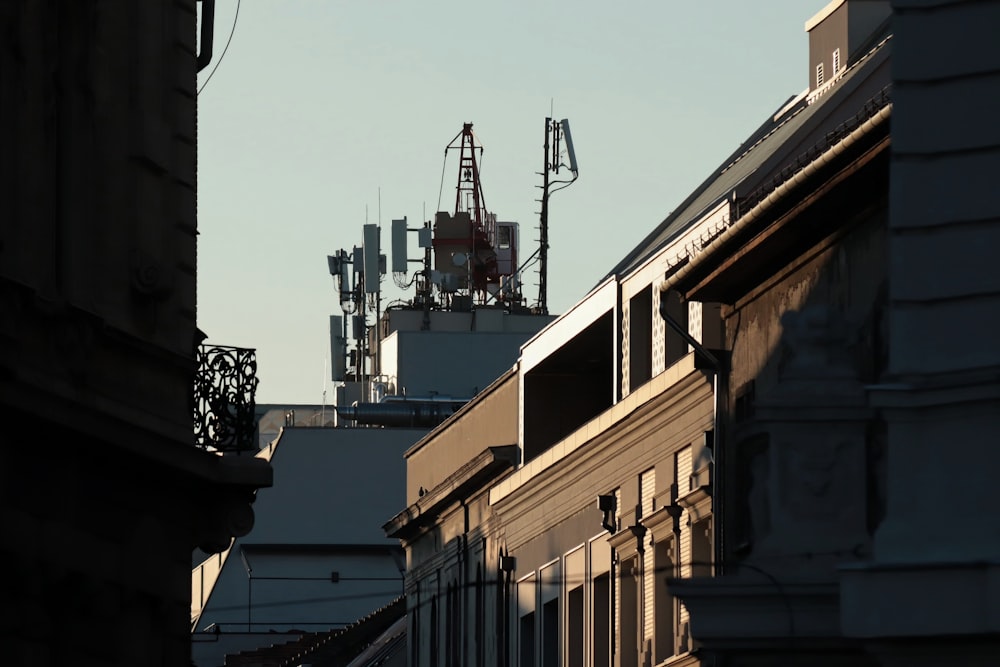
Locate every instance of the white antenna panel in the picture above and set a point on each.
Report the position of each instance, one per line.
(569, 145)
(399, 258)
(371, 257)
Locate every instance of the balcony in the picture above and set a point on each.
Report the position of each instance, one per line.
(224, 390)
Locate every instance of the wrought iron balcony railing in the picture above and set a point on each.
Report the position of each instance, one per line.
(224, 391)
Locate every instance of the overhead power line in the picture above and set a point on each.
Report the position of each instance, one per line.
(226, 48)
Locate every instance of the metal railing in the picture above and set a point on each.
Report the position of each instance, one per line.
(224, 391)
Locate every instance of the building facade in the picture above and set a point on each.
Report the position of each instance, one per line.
(724, 454)
(103, 494)
(918, 599)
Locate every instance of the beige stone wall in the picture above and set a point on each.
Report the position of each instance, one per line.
(490, 421)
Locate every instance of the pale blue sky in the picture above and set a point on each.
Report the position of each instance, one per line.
(320, 105)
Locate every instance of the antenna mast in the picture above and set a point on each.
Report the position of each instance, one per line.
(469, 184)
(478, 238)
(554, 131)
(543, 235)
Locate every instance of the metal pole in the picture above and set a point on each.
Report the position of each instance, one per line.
(543, 240)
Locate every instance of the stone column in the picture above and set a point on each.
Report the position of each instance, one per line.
(808, 505)
(936, 554)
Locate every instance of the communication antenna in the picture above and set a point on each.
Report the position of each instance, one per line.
(371, 252)
(570, 153)
(554, 132)
(399, 259)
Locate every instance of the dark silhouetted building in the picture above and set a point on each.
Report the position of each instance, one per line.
(103, 493)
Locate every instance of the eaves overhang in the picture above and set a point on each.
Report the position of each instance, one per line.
(853, 148)
(487, 466)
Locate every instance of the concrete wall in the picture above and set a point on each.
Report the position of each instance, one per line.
(454, 364)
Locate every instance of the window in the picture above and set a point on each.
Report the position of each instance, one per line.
(640, 343)
(836, 62)
(434, 630)
(819, 75)
(527, 640)
(647, 488)
(601, 625)
(574, 577)
(675, 345)
(452, 631)
(628, 622)
(684, 465)
(550, 633)
(414, 635)
(574, 626)
(526, 594)
(602, 620)
(549, 589)
(701, 548)
(666, 628)
(480, 616)
(503, 236)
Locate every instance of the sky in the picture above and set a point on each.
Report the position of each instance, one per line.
(323, 115)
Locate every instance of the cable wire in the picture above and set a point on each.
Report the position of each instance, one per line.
(226, 48)
(444, 164)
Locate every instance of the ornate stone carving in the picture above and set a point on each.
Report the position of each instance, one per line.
(149, 277)
(813, 488)
(816, 341)
(808, 491)
(224, 518)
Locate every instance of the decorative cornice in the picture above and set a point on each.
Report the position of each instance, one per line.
(472, 476)
(663, 522)
(755, 609)
(937, 389)
(629, 541)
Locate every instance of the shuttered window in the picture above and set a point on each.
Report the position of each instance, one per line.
(684, 470)
(647, 488)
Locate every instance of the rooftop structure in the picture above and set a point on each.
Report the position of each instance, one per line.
(317, 559)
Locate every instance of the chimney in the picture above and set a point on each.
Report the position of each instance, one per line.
(840, 34)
